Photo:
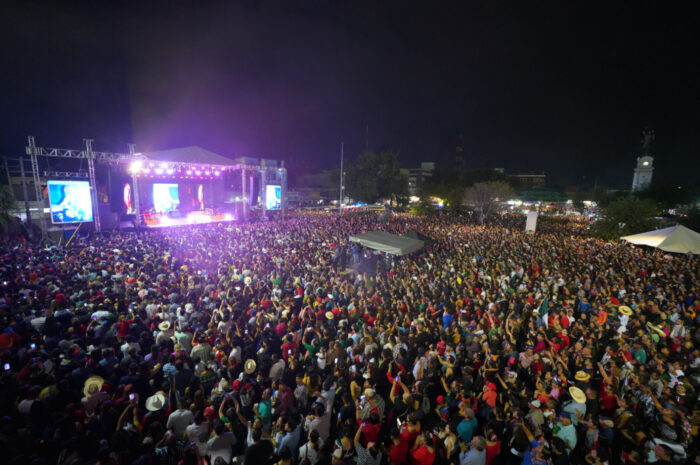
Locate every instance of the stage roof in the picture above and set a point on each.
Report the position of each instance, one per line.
(192, 154)
(388, 243)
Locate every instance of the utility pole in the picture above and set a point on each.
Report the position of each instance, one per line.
(340, 203)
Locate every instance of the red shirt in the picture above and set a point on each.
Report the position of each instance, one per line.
(492, 452)
(123, 328)
(370, 433)
(286, 348)
(398, 453)
(422, 456)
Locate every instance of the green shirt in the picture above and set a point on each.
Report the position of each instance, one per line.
(265, 411)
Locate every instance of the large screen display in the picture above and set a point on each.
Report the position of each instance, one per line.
(273, 197)
(70, 201)
(128, 199)
(165, 197)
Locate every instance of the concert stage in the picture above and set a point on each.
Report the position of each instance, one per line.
(155, 220)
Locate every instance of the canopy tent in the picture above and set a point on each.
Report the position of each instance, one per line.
(674, 239)
(419, 236)
(388, 243)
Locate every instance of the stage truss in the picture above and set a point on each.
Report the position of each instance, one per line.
(247, 170)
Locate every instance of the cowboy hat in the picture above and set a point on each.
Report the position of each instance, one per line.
(329, 315)
(577, 394)
(155, 402)
(582, 376)
(93, 385)
(625, 310)
(164, 325)
(249, 366)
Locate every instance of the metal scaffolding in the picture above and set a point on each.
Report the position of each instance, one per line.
(90, 155)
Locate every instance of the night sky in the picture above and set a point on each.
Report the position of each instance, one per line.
(532, 86)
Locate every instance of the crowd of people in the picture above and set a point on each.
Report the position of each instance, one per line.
(250, 343)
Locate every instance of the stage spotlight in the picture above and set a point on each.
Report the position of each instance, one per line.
(146, 170)
(189, 171)
(198, 173)
(135, 167)
(207, 173)
(164, 166)
(216, 173)
(159, 171)
(170, 171)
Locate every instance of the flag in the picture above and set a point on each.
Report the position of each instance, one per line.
(543, 310)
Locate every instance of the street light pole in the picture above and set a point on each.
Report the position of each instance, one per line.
(342, 178)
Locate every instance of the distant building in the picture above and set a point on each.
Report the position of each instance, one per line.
(645, 164)
(315, 187)
(527, 181)
(418, 176)
(643, 173)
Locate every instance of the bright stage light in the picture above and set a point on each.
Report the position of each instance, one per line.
(159, 171)
(198, 173)
(170, 171)
(136, 166)
(189, 171)
(207, 173)
(147, 170)
(164, 166)
(216, 173)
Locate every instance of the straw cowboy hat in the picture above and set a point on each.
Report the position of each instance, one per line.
(93, 385)
(582, 376)
(249, 366)
(155, 402)
(329, 315)
(164, 325)
(577, 394)
(625, 310)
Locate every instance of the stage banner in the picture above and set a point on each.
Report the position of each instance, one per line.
(531, 223)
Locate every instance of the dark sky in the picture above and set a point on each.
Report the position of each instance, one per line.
(531, 85)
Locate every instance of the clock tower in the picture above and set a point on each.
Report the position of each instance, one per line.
(645, 164)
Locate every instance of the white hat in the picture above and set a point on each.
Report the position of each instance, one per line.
(536, 403)
(155, 402)
(93, 385)
(164, 325)
(189, 308)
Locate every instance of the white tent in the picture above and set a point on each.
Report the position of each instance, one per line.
(389, 243)
(674, 239)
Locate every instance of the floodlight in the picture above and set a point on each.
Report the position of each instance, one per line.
(136, 166)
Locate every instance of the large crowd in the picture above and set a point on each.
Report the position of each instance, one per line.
(258, 344)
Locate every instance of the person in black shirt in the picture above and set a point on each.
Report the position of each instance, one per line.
(261, 452)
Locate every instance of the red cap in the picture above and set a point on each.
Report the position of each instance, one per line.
(208, 411)
(237, 385)
(440, 399)
(490, 385)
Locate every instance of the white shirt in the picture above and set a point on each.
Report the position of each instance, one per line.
(308, 452)
(178, 421)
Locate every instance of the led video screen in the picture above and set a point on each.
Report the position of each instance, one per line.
(273, 197)
(70, 202)
(128, 199)
(165, 197)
